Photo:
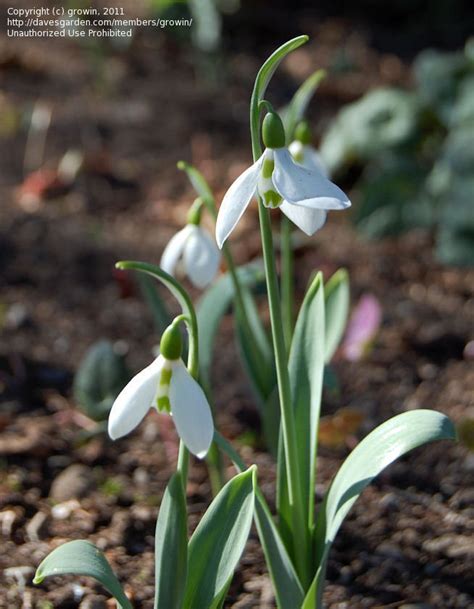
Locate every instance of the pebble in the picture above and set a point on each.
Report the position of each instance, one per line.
(73, 482)
(92, 601)
(37, 527)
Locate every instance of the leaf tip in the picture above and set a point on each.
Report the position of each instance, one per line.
(38, 578)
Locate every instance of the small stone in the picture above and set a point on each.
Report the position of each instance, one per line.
(37, 526)
(93, 601)
(73, 482)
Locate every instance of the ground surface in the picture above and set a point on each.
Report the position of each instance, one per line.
(408, 541)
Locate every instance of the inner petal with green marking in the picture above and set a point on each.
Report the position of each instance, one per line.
(266, 188)
(162, 394)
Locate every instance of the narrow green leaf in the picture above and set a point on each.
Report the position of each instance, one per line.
(297, 107)
(288, 591)
(212, 307)
(171, 547)
(336, 294)
(161, 316)
(379, 449)
(306, 367)
(255, 349)
(82, 558)
(219, 540)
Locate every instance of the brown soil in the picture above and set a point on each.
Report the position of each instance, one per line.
(408, 541)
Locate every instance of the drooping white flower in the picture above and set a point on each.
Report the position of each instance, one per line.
(167, 385)
(195, 248)
(302, 194)
(308, 157)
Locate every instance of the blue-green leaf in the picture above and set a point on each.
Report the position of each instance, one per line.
(381, 447)
(297, 107)
(212, 307)
(288, 591)
(255, 349)
(159, 310)
(82, 558)
(219, 540)
(171, 547)
(306, 367)
(336, 294)
(101, 376)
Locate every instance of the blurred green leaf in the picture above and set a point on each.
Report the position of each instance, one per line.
(82, 558)
(101, 376)
(336, 295)
(161, 316)
(297, 107)
(212, 306)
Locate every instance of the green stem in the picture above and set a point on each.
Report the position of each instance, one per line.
(287, 280)
(283, 379)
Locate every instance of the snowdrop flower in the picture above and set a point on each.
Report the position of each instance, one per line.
(195, 248)
(167, 385)
(304, 195)
(303, 153)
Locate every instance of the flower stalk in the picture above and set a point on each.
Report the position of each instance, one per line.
(284, 391)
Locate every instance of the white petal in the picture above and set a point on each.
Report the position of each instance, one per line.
(191, 411)
(307, 219)
(134, 401)
(311, 158)
(201, 258)
(236, 201)
(297, 184)
(175, 248)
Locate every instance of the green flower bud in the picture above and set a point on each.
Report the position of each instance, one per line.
(171, 345)
(303, 133)
(195, 212)
(273, 132)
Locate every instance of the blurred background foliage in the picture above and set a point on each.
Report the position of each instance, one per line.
(413, 154)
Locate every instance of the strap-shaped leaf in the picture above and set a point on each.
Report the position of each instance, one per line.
(212, 307)
(255, 349)
(288, 591)
(381, 447)
(171, 547)
(297, 107)
(219, 540)
(306, 367)
(336, 294)
(82, 558)
(161, 316)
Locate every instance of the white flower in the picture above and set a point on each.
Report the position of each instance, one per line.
(198, 252)
(302, 194)
(166, 384)
(308, 157)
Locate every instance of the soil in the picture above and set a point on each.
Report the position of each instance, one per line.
(133, 113)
